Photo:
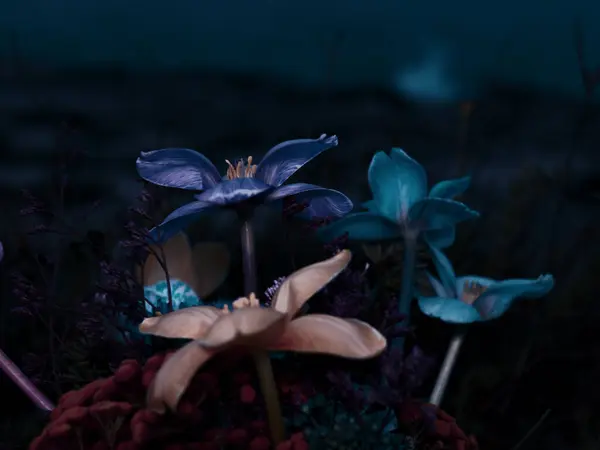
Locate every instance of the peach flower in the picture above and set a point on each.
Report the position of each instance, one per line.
(249, 325)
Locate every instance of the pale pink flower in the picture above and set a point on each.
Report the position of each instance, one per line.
(275, 328)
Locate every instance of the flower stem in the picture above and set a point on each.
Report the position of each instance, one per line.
(447, 366)
(21, 380)
(408, 273)
(261, 358)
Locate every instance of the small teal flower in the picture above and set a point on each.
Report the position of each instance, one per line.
(157, 296)
(401, 205)
(470, 299)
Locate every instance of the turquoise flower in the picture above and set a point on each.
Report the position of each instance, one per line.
(471, 299)
(183, 296)
(401, 205)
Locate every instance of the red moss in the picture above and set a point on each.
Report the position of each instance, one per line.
(129, 445)
(203, 446)
(247, 394)
(82, 417)
(129, 372)
(441, 429)
(108, 391)
(214, 434)
(237, 436)
(73, 416)
(259, 443)
(258, 426)
(80, 397)
(296, 442)
(106, 411)
(147, 378)
(241, 378)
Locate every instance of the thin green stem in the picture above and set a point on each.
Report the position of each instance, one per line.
(446, 370)
(406, 289)
(262, 360)
(532, 430)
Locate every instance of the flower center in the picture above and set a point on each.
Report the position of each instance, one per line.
(241, 170)
(471, 291)
(244, 302)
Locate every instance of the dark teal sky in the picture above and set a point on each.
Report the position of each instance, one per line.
(434, 48)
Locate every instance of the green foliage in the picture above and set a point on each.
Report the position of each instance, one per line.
(328, 424)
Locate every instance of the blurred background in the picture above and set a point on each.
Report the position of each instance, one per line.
(503, 91)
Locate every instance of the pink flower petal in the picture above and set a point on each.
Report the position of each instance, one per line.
(319, 333)
(246, 326)
(187, 323)
(173, 378)
(300, 286)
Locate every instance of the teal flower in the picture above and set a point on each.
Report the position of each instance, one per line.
(183, 296)
(470, 299)
(401, 205)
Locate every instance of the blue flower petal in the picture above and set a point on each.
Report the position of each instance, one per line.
(321, 202)
(442, 238)
(413, 176)
(437, 286)
(157, 296)
(450, 188)
(397, 182)
(283, 160)
(178, 220)
(234, 191)
(386, 187)
(496, 300)
(445, 271)
(178, 168)
(437, 213)
(361, 227)
(450, 310)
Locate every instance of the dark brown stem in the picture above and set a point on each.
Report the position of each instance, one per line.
(262, 361)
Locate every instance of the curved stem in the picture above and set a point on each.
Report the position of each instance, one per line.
(21, 380)
(408, 273)
(447, 366)
(261, 358)
(532, 429)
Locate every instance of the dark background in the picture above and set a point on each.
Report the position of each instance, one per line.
(233, 78)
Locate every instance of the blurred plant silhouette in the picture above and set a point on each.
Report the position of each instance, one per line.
(91, 358)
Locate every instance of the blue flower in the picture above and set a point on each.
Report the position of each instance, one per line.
(401, 205)
(473, 298)
(244, 182)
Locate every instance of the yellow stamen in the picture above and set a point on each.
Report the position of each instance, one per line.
(246, 302)
(241, 169)
(471, 291)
